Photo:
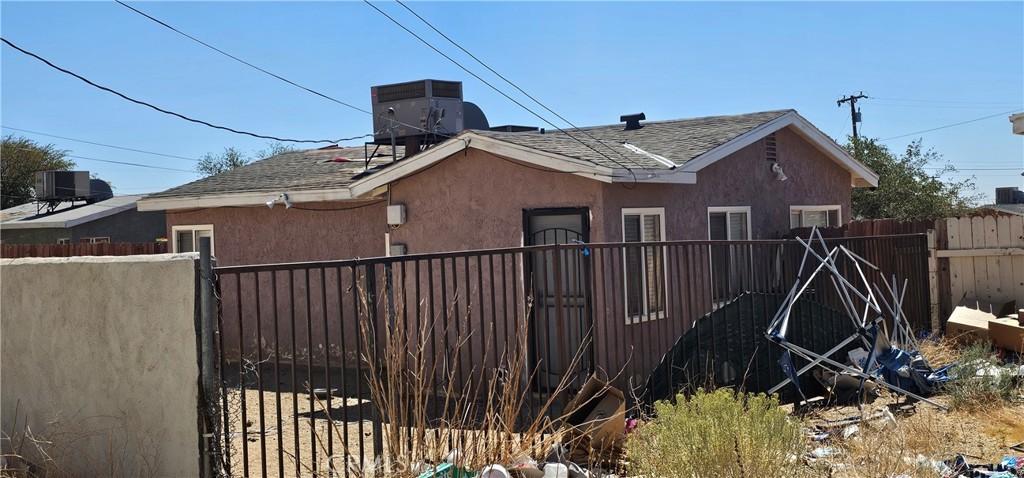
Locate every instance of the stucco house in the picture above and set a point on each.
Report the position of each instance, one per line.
(744, 176)
(111, 220)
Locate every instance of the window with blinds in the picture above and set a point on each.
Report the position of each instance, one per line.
(820, 216)
(644, 267)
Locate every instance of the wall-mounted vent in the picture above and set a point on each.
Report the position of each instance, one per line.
(771, 150)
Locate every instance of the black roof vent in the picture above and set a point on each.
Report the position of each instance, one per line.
(632, 121)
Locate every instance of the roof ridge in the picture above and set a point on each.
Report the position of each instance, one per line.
(675, 120)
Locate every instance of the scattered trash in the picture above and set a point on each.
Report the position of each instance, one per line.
(494, 471)
(556, 470)
(823, 452)
(890, 360)
(597, 421)
(850, 431)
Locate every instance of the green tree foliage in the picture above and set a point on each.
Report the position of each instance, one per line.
(906, 190)
(231, 158)
(20, 159)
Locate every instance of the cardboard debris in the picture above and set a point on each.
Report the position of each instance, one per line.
(968, 324)
(597, 421)
(1007, 334)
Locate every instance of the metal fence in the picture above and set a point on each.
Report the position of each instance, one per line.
(296, 339)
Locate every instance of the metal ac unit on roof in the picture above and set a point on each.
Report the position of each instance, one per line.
(417, 108)
(62, 185)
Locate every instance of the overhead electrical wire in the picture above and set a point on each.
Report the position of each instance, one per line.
(126, 163)
(506, 80)
(949, 125)
(496, 89)
(268, 72)
(172, 113)
(949, 102)
(99, 144)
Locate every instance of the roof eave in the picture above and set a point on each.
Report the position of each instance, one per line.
(861, 175)
(242, 199)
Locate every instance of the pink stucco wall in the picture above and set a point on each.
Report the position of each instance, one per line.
(258, 235)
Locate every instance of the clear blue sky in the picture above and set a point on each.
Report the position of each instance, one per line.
(591, 62)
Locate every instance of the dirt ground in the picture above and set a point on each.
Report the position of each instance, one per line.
(919, 434)
(277, 447)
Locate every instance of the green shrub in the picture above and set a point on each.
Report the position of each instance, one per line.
(716, 434)
(970, 390)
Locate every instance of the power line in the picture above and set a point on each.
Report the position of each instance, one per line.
(99, 144)
(482, 80)
(955, 169)
(172, 113)
(268, 72)
(948, 102)
(949, 125)
(126, 163)
(506, 80)
(138, 165)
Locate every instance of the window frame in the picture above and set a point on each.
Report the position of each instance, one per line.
(838, 208)
(64, 240)
(729, 210)
(193, 228)
(645, 315)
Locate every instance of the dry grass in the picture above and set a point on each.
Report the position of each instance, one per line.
(940, 350)
(74, 447)
(485, 417)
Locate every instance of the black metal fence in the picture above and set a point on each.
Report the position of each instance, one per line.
(296, 339)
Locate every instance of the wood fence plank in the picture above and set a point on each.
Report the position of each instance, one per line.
(980, 266)
(966, 264)
(1005, 264)
(1017, 240)
(956, 273)
(991, 262)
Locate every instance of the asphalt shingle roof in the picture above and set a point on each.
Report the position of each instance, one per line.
(322, 168)
(677, 140)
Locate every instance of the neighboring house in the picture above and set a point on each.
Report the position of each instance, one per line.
(747, 176)
(111, 220)
(1009, 200)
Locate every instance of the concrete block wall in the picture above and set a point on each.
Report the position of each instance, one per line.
(98, 356)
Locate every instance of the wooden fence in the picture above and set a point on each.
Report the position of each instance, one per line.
(68, 250)
(977, 258)
(980, 258)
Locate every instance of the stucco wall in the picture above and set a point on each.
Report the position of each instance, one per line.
(126, 226)
(741, 179)
(476, 200)
(259, 235)
(99, 355)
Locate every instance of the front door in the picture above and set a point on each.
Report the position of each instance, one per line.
(560, 318)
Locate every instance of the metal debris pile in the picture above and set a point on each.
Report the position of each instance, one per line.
(889, 359)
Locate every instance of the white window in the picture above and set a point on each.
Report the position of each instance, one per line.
(821, 216)
(730, 223)
(94, 240)
(644, 267)
(186, 238)
(64, 240)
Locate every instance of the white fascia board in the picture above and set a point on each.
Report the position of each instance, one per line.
(104, 212)
(249, 198)
(514, 152)
(655, 176)
(862, 175)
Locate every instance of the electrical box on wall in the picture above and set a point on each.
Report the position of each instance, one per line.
(396, 214)
(397, 250)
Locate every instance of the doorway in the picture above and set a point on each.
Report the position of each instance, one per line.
(560, 319)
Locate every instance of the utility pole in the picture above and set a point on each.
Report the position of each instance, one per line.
(854, 114)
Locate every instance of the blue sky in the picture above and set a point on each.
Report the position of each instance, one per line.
(928, 65)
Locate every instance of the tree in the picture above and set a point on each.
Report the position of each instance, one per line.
(906, 190)
(211, 164)
(20, 159)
